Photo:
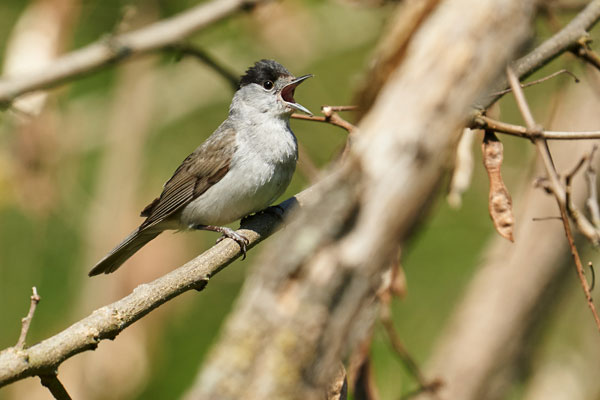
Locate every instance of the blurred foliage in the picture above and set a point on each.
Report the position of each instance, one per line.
(334, 41)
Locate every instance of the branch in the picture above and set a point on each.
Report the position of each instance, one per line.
(55, 386)
(26, 322)
(299, 311)
(331, 117)
(108, 321)
(583, 51)
(186, 50)
(120, 47)
(484, 122)
(544, 79)
(559, 43)
(425, 385)
(559, 192)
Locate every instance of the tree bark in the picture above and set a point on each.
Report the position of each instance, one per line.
(302, 309)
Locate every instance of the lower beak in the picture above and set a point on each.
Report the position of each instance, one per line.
(287, 94)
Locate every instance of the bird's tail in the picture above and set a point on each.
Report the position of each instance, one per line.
(117, 256)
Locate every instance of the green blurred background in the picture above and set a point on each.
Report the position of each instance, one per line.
(118, 134)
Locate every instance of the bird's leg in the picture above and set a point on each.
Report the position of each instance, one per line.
(229, 233)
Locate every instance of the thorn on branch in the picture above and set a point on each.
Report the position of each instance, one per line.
(26, 322)
(532, 83)
(591, 266)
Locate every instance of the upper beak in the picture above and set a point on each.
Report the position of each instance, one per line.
(287, 93)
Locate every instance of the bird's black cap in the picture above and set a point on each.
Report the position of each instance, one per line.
(264, 70)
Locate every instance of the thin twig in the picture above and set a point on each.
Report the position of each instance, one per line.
(55, 386)
(188, 50)
(485, 122)
(330, 117)
(524, 85)
(408, 361)
(557, 189)
(536, 219)
(551, 48)
(26, 322)
(108, 321)
(328, 109)
(591, 266)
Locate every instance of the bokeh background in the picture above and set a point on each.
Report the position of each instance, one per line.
(77, 166)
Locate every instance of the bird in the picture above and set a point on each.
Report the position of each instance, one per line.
(240, 169)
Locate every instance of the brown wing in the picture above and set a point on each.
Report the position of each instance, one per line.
(207, 165)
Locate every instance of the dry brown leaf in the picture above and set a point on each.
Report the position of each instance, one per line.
(500, 202)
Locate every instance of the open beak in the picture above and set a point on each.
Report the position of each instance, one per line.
(287, 94)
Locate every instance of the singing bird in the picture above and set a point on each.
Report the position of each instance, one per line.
(242, 168)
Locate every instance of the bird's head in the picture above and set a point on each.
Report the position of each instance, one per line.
(269, 87)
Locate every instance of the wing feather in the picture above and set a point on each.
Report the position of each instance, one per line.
(207, 165)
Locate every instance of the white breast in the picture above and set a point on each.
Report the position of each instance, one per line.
(260, 171)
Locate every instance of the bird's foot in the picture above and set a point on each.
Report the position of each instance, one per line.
(241, 240)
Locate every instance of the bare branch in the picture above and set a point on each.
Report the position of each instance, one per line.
(108, 321)
(120, 47)
(425, 385)
(187, 50)
(298, 311)
(559, 43)
(330, 116)
(559, 192)
(484, 122)
(26, 322)
(532, 83)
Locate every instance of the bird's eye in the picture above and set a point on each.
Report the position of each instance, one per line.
(268, 85)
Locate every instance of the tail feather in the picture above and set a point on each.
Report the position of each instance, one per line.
(128, 247)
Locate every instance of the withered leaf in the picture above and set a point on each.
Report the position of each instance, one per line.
(500, 202)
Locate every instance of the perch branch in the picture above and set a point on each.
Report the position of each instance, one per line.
(108, 321)
(120, 47)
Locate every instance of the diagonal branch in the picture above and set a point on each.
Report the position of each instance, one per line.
(55, 386)
(558, 190)
(120, 47)
(108, 321)
(566, 39)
